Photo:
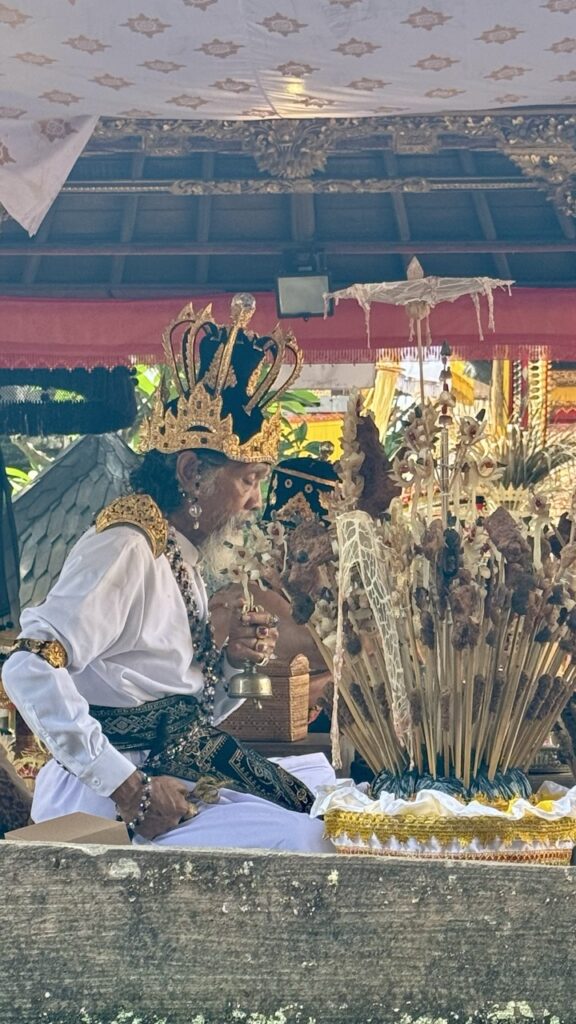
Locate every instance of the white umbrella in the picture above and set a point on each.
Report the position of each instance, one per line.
(419, 295)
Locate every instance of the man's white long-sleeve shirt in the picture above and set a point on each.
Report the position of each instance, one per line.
(122, 620)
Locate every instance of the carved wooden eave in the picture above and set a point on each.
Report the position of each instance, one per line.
(225, 205)
(542, 144)
(296, 186)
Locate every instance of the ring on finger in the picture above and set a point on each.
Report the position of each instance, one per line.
(262, 631)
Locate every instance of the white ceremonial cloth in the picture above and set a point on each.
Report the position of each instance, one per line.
(236, 821)
(66, 63)
(121, 618)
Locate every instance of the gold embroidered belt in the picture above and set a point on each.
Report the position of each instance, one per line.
(183, 744)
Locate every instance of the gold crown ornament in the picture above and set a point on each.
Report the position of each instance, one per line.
(217, 384)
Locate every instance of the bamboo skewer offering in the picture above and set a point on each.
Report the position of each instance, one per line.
(451, 633)
(473, 645)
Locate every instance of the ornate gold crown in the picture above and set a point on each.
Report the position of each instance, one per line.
(223, 379)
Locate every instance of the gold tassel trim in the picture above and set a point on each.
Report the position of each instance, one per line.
(425, 828)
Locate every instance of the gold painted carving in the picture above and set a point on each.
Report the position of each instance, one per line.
(542, 144)
(137, 510)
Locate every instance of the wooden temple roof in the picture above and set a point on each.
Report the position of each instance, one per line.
(154, 207)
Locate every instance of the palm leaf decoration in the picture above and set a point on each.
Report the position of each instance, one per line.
(528, 461)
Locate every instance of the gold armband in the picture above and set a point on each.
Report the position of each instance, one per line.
(51, 651)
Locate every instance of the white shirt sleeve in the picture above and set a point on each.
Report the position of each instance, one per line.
(52, 707)
(95, 606)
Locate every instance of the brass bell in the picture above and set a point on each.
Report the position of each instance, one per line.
(251, 683)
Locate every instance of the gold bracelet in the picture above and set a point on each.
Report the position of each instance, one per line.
(51, 651)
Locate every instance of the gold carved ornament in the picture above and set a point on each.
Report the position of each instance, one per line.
(140, 511)
(298, 508)
(541, 144)
(51, 651)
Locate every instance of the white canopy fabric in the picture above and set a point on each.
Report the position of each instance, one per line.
(64, 63)
(420, 295)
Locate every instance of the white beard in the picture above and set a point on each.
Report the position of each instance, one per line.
(216, 554)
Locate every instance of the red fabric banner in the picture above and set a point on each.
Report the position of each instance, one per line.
(92, 332)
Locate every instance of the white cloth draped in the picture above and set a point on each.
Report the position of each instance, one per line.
(64, 63)
(236, 821)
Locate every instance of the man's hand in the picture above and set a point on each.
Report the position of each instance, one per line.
(168, 804)
(253, 636)
(318, 686)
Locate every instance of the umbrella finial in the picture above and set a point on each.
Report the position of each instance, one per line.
(415, 270)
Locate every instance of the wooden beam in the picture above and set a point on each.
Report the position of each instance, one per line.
(398, 203)
(568, 224)
(302, 218)
(484, 214)
(204, 219)
(33, 263)
(289, 186)
(273, 248)
(128, 221)
(242, 281)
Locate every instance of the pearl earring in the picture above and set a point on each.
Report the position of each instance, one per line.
(194, 507)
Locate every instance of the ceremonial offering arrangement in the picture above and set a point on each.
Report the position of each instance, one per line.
(449, 623)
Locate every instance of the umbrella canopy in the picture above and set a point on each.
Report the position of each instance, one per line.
(419, 294)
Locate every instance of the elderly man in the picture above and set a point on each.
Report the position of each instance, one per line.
(118, 671)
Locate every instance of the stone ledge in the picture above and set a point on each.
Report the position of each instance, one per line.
(211, 937)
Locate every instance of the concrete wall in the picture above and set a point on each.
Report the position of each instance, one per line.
(213, 937)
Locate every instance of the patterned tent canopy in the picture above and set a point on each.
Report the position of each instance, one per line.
(67, 62)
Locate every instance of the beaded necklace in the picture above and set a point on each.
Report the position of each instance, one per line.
(206, 651)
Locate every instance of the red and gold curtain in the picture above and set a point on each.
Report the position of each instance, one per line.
(531, 323)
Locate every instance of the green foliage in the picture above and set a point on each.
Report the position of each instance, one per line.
(527, 461)
(19, 478)
(294, 441)
(25, 457)
(147, 381)
(394, 437)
